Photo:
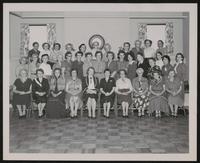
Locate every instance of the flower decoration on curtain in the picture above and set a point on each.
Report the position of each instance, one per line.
(51, 33)
(169, 37)
(25, 38)
(142, 33)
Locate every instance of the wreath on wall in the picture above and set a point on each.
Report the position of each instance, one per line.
(96, 40)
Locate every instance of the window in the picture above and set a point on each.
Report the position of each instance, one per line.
(156, 32)
(38, 33)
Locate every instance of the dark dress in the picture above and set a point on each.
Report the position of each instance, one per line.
(112, 67)
(145, 66)
(107, 87)
(131, 71)
(135, 51)
(79, 66)
(33, 51)
(40, 87)
(85, 85)
(56, 105)
(126, 55)
(165, 70)
(67, 65)
(20, 86)
(150, 72)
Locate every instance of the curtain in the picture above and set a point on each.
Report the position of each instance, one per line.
(25, 38)
(169, 38)
(142, 32)
(51, 33)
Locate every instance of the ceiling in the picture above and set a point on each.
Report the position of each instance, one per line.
(63, 14)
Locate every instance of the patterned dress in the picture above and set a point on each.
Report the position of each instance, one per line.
(159, 103)
(140, 85)
(175, 86)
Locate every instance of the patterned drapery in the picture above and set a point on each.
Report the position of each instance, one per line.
(169, 38)
(51, 33)
(25, 37)
(142, 32)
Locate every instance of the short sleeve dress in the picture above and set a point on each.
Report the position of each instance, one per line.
(22, 86)
(107, 87)
(174, 86)
(159, 103)
(124, 86)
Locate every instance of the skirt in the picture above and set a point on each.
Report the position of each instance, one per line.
(105, 99)
(159, 103)
(40, 99)
(68, 97)
(87, 95)
(21, 99)
(124, 98)
(176, 100)
(140, 101)
(55, 108)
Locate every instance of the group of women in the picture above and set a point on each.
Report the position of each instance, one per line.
(141, 78)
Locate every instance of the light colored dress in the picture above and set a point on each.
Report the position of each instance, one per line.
(54, 55)
(86, 65)
(99, 67)
(47, 69)
(149, 52)
(159, 63)
(75, 86)
(32, 70)
(124, 86)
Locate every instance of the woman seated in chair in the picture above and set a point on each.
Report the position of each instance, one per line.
(157, 98)
(56, 101)
(140, 92)
(107, 89)
(90, 91)
(22, 90)
(73, 96)
(174, 86)
(40, 89)
(123, 90)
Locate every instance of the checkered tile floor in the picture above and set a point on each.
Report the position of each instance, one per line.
(100, 135)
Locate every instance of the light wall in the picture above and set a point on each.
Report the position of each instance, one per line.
(14, 47)
(78, 30)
